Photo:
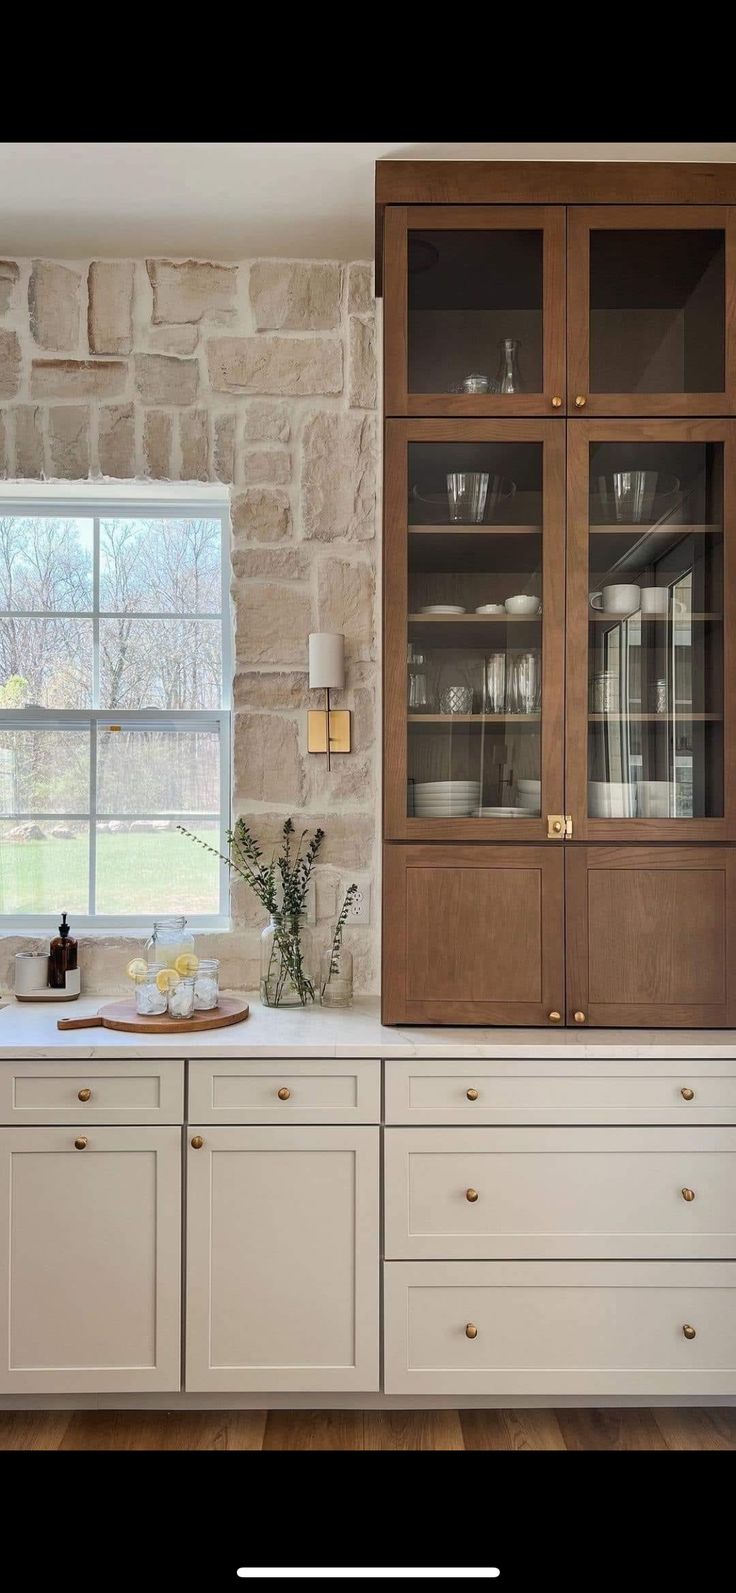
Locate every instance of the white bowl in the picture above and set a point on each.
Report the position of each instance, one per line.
(491, 608)
(522, 605)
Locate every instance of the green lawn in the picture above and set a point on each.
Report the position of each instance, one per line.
(136, 873)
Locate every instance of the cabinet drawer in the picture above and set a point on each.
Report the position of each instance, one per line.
(503, 1091)
(552, 1192)
(253, 1091)
(552, 1328)
(37, 1093)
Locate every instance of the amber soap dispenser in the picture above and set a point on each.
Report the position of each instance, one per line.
(62, 956)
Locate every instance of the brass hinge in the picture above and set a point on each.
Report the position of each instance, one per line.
(559, 826)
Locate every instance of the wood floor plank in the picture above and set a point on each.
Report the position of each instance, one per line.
(314, 1429)
(165, 1430)
(413, 1429)
(697, 1428)
(484, 1429)
(511, 1429)
(610, 1429)
(33, 1429)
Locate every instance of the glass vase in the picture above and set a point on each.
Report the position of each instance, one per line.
(285, 979)
(509, 378)
(336, 983)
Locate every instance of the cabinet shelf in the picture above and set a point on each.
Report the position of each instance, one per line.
(685, 714)
(599, 616)
(476, 720)
(671, 528)
(462, 528)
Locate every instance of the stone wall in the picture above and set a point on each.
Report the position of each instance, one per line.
(262, 375)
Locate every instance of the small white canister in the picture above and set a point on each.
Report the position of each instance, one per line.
(31, 972)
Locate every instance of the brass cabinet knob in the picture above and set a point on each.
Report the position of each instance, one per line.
(471, 1195)
(557, 402)
(557, 826)
(197, 1142)
(688, 1331)
(283, 1093)
(80, 1143)
(472, 1095)
(688, 1194)
(687, 1095)
(580, 401)
(555, 1017)
(471, 1331)
(579, 1017)
(84, 1095)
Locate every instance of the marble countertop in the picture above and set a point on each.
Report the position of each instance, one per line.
(29, 1030)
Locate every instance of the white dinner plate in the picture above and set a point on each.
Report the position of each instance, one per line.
(442, 608)
(502, 813)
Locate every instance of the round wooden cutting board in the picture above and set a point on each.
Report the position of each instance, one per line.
(122, 1015)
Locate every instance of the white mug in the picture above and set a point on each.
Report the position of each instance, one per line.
(654, 599)
(617, 599)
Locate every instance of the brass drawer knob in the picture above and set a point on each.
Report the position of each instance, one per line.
(688, 1194)
(84, 1095)
(197, 1142)
(688, 1331)
(283, 1093)
(80, 1143)
(579, 1017)
(580, 401)
(555, 1017)
(687, 1095)
(471, 1195)
(472, 1094)
(471, 1331)
(557, 402)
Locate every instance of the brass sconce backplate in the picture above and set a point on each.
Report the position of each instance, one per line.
(339, 730)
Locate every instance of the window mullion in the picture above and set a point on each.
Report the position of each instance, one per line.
(92, 854)
(96, 612)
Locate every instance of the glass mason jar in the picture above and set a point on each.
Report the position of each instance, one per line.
(336, 986)
(285, 981)
(207, 984)
(170, 939)
(150, 1002)
(181, 999)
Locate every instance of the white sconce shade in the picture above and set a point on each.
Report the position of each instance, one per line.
(326, 660)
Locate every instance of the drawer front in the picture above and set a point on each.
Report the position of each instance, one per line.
(38, 1093)
(292, 1091)
(481, 1193)
(552, 1328)
(499, 1091)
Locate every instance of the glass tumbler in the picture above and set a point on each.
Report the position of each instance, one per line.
(495, 683)
(527, 680)
(466, 495)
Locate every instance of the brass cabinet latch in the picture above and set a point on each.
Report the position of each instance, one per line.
(559, 826)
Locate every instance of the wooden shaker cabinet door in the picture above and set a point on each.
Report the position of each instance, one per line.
(473, 934)
(650, 936)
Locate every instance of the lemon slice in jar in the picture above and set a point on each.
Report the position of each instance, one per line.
(137, 969)
(167, 979)
(187, 964)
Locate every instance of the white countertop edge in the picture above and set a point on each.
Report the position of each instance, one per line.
(28, 1031)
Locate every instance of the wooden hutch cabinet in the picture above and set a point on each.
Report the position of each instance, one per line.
(559, 593)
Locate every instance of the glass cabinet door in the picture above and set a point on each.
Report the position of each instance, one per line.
(650, 616)
(474, 310)
(474, 622)
(649, 328)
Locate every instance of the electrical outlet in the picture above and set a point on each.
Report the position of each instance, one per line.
(360, 906)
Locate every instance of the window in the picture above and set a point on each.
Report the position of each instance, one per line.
(114, 695)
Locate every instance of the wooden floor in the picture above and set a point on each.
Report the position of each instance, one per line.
(370, 1430)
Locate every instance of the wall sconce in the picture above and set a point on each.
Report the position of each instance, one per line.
(328, 728)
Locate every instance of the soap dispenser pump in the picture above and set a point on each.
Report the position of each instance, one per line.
(62, 956)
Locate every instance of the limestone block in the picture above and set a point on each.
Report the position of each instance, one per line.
(345, 594)
(348, 842)
(172, 339)
(53, 305)
(272, 623)
(186, 290)
(69, 440)
(362, 362)
(195, 445)
(9, 363)
(267, 766)
(360, 289)
(267, 464)
(163, 379)
(157, 429)
(292, 295)
(287, 365)
(224, 447)
(287, 690)
(278, 564)
(4, 448)
(8, 279)
(338, 477)
(261, 514)
(28, 442)
(78, 378)
(116, 441)
(267, 423)
(110, 306)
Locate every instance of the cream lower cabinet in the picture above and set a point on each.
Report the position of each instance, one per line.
(282, 1259)
(90, 1260)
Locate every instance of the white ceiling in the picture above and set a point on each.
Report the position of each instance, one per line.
(230, 201)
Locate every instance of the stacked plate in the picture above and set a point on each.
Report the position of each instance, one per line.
(446, 799)
(503, 813)
(530, 796)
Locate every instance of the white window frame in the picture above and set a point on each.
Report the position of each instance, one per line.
(148, 502)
